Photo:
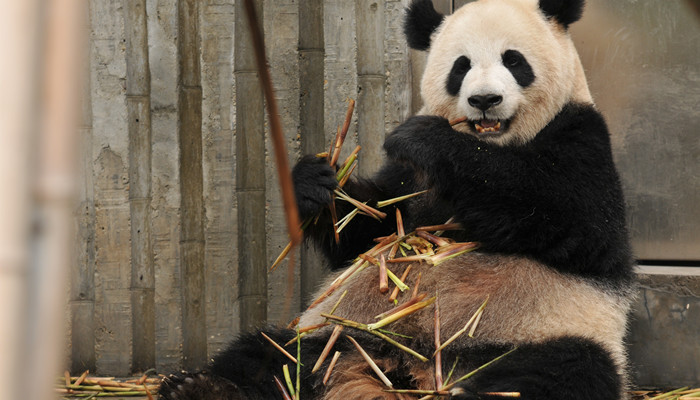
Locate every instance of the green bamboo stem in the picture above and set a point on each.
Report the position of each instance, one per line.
(363, 327)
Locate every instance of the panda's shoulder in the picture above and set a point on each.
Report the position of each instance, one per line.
(577, 126)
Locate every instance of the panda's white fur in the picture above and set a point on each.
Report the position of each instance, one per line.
(483, 31)
(528, 303)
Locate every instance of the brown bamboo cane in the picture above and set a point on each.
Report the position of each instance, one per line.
(283, 170)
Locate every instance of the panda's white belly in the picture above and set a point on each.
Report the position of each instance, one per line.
(528, 302)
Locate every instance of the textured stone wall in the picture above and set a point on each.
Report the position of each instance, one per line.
(141, 269)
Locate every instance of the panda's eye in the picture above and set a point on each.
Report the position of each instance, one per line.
(518, 66)
(459, 70)
(512, 58)
(461, 66)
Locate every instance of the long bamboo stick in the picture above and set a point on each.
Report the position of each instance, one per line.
(284, 172)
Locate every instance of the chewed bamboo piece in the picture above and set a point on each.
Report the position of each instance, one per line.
(398, 315)
(384, 203)
(403, 306)
(438, 354)
(395, 293)
(281, 389)
(278, 347)
(342, 133)
(371, 362)
(463, 330)
(329, 346)
(363, 327)
(334, 360)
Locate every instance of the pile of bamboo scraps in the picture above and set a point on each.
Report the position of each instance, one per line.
(684, 393)
(86, 387)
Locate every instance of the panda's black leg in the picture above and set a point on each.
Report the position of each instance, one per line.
(246, 369)
(567, 368)
(199, 385)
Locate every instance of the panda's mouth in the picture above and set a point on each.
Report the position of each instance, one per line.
(489, 127)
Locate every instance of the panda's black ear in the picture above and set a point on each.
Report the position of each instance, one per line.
(420, 23)
(566, 12)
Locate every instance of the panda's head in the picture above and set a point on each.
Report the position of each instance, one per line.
(509, 66)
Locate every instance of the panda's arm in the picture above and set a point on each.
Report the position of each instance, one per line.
(556, 199)
(314, 181)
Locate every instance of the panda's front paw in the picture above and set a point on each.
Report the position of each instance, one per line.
(314, 181)
(419, 141)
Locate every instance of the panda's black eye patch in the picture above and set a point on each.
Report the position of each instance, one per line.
(459, 70)
(518, 66)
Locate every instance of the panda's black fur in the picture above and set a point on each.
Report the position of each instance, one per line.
(554, 202)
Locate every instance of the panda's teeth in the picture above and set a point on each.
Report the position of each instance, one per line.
(495, 128)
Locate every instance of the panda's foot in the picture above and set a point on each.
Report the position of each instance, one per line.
(198, 386)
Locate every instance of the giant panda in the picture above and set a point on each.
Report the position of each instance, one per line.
(529, 176)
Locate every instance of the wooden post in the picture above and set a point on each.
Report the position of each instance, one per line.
(371, 81)
(19, 25)
(53, 186)
(311, 120)
(82, 282)
(138, 102)
(194, 347)
(250, 176)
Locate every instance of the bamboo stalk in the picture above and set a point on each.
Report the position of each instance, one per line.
(298, 395)
(284, 173)
(384, 203)
(383, 279)
(403, 313)
(395, 293)
(345, 178)
(82, 377)
(282, 390)
(454, 250)
(329, 346)
(340, 138)
(415, 288)
(334, 360)
(475, 324)
(337, 303)
(437, 240)
(399, 224)
(438, 354)
(363, 207)
(363, 327)
(501, 394)
(403, 306)
(472, 373)
(419, 392)
(399, 284)
(371, 362)
(443, 227)
(278, 347)
(148, 392)
(343, 171)
(288, 380)
(452, 370)
(334, 220)
(463, 330)
(669, 394)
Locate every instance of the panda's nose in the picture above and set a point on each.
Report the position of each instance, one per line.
(484, 102)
